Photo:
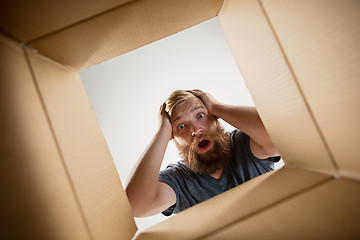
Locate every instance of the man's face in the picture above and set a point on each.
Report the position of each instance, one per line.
(201, 140)
(190, 122)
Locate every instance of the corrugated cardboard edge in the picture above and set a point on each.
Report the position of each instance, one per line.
(278, 98)
(71, 183)
(123, 29)
(327, 211)
(35, 196)
(320, 41)
(301, 91)
(124, 217)
(252, 197)
(15, 20)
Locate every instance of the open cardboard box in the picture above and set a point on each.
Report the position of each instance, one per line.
(300, 61)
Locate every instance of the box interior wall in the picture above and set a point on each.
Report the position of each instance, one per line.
(299, 60)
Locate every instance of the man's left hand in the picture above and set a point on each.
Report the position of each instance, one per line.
(209, 101)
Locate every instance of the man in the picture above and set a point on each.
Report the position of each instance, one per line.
(213, 160)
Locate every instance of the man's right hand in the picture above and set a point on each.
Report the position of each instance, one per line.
(165, 124)
(148, 196)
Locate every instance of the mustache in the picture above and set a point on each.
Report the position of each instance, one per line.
(213, 135)
(208, 162)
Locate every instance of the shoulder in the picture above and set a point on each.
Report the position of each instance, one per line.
(176, 168)
(179, 177)
(176, 172)
(239, 138)
(241, 142)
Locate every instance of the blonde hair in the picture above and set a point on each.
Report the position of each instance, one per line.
(177, 97)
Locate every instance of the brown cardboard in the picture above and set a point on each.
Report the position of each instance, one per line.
(28, 20)
(329, 211)
(56, 176)
(122, 30)
(323, 50)
(87, 159)
(241, 202)
(37, 199)
(273, 86)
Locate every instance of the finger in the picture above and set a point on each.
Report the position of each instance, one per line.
(195, 92)
(163, 109)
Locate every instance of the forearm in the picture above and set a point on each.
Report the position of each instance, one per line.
(143, 185)
(245, 119)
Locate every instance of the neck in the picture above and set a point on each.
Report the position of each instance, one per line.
(217, 174)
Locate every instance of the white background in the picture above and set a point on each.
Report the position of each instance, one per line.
(126, 92)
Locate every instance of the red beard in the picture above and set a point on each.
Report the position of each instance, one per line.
(216, 158)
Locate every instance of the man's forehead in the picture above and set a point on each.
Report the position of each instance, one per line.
(186, 106)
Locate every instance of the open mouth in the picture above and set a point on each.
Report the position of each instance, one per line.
(203, 144)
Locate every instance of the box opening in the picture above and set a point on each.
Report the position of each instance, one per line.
(126, 91)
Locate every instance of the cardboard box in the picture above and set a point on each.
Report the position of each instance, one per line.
(300, 62)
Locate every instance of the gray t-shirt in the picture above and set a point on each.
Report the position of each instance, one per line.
(192, 188)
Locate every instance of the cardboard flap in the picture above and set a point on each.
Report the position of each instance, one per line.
(272, 84)
(87, 159)
(245, 200)
(123, 29)
(322, 43)
(37, 200)
(28, 20)
(328, 211)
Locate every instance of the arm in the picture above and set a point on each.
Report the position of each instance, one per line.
(146, 195)
(245, 119)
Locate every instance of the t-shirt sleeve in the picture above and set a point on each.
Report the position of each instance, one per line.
(167, 176)
(244, 139)
(246, 164)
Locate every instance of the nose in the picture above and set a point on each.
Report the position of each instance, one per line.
(196, 132)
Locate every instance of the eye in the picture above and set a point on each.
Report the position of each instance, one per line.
(201, 115)
(181, 126)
